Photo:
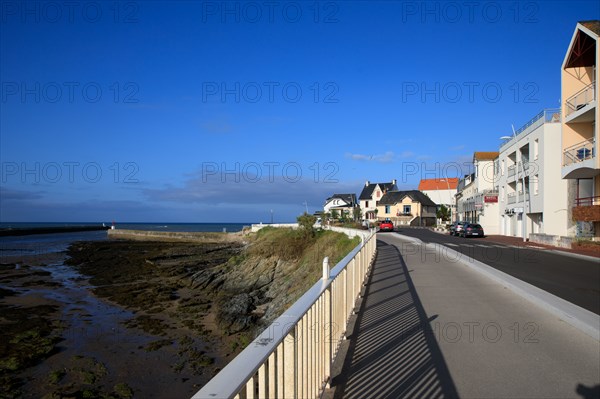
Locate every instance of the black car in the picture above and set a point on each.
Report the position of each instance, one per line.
(472, 230)
(456, 228)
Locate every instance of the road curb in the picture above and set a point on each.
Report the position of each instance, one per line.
(580, 318)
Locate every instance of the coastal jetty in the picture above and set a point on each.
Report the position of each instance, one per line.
(146, 235)
(7, 232)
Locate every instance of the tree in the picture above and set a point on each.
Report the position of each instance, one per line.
(307, 222)
(357, 214)
(334, 214)
(443, 213)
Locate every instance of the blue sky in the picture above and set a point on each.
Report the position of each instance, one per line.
(202, 111)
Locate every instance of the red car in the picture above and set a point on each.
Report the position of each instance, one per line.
(386, 225)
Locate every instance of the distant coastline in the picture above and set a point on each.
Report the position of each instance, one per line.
(166, 226)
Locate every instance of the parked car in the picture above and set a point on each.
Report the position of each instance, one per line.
(456, 228)
(472, 230)
(386, 225)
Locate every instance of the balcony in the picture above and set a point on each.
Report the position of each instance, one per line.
(579, 160)
(579, 101)
(587, 209)
(587, 201)
(512, 170)
(513, 198)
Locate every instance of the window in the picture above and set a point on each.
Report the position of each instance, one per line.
(502, 168)
(378, 193)
(535, 185)
(387, 209)
(406, 209)
(536, 148)
(366, 204)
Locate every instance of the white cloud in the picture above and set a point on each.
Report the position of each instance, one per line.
(387, 157)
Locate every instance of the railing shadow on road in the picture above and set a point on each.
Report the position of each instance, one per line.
(393, 352)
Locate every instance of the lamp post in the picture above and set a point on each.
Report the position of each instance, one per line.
(522, 183)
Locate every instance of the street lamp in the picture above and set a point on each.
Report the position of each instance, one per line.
(522, 183)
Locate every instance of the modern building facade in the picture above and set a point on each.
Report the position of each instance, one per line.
(531, 192)
(371, 195)
(580, 110)
(477, 194)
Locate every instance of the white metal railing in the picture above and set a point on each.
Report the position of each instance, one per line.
(581, 98)
(550, 115)
(579, 152)
(512, 170)
(292, 358)
(511, 198)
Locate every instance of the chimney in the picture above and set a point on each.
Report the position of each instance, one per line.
(394, 182)
(367, 183)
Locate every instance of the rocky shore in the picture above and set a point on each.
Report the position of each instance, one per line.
(168, 316)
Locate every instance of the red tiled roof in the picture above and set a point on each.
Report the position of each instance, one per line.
(438, 184)
(482, 155)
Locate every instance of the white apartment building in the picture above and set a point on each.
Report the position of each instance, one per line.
(532, 193)
(477, 196)
(580, 130)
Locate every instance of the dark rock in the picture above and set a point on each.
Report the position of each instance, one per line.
(235, 314)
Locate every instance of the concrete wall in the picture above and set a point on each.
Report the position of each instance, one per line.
(445, 197)
(557, 241)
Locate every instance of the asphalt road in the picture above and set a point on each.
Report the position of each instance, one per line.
(573, 279)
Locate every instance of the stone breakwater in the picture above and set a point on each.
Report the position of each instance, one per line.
(201, 237)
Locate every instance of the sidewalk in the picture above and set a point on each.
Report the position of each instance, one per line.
(431, 327)
(518, 241)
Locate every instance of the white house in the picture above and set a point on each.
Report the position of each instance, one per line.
(371, 195)
(344, 204)
(532, 193)
(441, 191)
(477, 196)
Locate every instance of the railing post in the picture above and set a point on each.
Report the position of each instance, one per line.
(326, 268)
(290, 362)
(328, 336)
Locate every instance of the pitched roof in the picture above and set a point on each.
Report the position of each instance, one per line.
(449, 183)
(485, 156)
(393, 197)
(349, 198)
(593, 25)
(368, 189)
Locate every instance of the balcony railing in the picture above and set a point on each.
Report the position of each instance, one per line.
(582, 98)
(512, 170)
(587, 201)
(551, 115)
(292, 358)
(579, 152)
(513, 198)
